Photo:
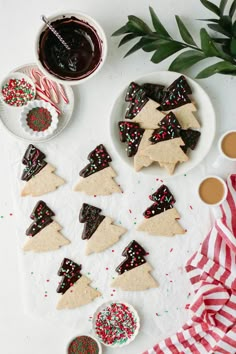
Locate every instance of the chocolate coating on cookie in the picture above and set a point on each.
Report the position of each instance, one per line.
(33, 159)
(154, 91)
(42, 216)
(134, 254)
(163, 200)
(169, 129)
(132, 135)
(190, 138)
(180, 85)
(70, 272)
(137, 104)
(98, 160)
(90, 216)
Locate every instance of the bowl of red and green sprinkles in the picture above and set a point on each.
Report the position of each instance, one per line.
(116, 324)
(39, 119)
(84, 344)
(17, 89)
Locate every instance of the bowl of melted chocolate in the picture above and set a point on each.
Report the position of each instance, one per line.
(87, 48)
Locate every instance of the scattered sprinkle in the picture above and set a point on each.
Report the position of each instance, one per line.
(190, 206)
(130, 211)
(187, 306)
(171, 249)
(107, 268)
(112, 250)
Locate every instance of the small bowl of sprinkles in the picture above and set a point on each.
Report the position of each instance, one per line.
(84, 344)
(39, 119)
(17, 89)
(116, 324)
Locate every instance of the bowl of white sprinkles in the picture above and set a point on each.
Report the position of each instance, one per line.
(116, 324)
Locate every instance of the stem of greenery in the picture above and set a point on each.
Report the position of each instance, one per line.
(222, 45)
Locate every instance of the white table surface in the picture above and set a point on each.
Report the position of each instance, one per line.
(19, 20)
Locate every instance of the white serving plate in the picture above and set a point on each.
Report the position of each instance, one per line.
(205, 115)
(10, 117)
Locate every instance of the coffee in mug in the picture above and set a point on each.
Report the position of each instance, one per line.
(212, 190)
(227, 145)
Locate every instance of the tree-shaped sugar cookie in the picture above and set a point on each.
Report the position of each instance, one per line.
(44, 233)
(38, 174)
(137, 139)
(142, 109)
(134, 271)
(190, 138)
(97, 178)
(74, 287)
(166, 144)
(176, 100)
(99, 230)
(161, 217)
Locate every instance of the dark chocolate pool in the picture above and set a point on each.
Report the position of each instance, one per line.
(81, 60)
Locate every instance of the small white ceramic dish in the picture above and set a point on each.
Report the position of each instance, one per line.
(205, 115)
(9, 117)
(223, 184)
(86, 19)
(19, 76)
(87, 335)
(135, 314)
(38, 104)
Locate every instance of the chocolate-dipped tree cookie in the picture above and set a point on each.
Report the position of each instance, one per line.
(134, 271)
(74, 287)
(161, 217)
(44, 233)
(97, 178)
(38, 174)
(99, 231)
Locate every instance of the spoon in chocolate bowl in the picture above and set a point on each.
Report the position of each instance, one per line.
(54, 31)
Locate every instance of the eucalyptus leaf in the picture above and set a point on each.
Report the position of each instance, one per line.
(136, 47)
(226, 23)
(232, 9)
(234, 29)
(186, 59)
(157, 23)
(165, 51)
(184, 32)
(127, 38)
(210, 6)
(222, 66)
(207, 44)
(137, 25)
(209, 20)
(150, 47)
(218, 28)
(233, 47)
(223, 3)
(120, 31)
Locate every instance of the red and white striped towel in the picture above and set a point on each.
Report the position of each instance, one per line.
(212, 272)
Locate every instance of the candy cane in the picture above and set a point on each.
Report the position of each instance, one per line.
(41, 94)
(63, 94)
(48, 88)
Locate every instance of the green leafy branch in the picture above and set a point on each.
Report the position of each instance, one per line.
(158, 40)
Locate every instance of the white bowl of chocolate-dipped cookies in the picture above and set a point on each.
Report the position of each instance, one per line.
(87, 45)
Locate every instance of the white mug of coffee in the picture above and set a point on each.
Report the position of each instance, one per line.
(227, 145)
(227, 149)
(212, 190)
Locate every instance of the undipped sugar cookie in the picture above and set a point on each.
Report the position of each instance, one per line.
(161, 217)
(74, 287)
(134, 271)
(97, 178)
(44, 233)
(99, 230)
(38, 174)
